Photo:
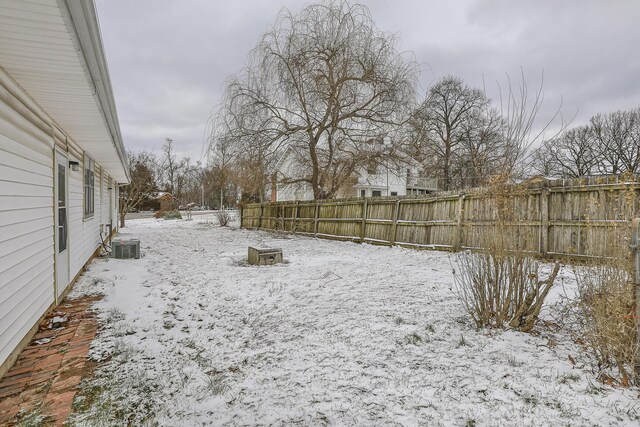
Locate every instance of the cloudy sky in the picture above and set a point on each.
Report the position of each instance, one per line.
(169, 60)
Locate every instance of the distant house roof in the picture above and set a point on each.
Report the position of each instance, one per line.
(60, 63)
(162, 195)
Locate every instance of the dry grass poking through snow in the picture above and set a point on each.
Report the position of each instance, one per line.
(341, 334)
(605, 304)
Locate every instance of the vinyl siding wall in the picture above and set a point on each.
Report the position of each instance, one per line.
(27, 247)
(84, 233)
(26, 227)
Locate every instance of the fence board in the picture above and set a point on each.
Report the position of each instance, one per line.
(575, 218)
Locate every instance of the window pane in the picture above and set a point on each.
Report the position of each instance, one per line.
(62, 194)
(89, 186)
(62, 229)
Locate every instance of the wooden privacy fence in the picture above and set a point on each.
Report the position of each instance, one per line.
(570, 219)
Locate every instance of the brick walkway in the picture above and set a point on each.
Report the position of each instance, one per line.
(44, 380)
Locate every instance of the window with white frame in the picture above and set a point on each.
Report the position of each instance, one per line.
(89, 187)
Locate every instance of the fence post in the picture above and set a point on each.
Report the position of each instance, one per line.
(315, 221)
(394, 232)
(280, 217)
(364, 220)
(295, 217)
(260, 219)
(544, 222)
(635, 226)
(460, 214)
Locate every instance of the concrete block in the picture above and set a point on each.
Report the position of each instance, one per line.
(264, 256)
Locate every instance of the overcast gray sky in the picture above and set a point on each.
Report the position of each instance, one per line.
(169, 60)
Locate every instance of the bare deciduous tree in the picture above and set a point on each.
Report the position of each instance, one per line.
(188, 182)
(570, 155)
(521, 127)
(485, 150)
(617, 137)
(143, 182)
(608, 144)
(462, 140)
(328, 83)
(451, 112)
(169, 166)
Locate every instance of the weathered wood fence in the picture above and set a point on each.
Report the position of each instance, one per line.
(635, 245)
(552, 219)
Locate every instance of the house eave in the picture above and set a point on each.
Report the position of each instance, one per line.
(81, 17)
(52, 51)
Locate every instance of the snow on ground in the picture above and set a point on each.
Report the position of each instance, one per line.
(341, 334)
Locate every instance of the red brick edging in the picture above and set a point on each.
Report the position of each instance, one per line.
(47, 373)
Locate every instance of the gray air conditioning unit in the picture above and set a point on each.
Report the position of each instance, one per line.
(125, 248)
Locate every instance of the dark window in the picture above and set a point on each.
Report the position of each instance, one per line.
(394, 193)
(62, 209)
(376, 193)
(363, 193)
(89, 187)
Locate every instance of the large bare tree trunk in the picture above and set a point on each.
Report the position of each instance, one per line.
(326, 83)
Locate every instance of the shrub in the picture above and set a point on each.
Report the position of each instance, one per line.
(173, 215)
(605, 303)
(500, 284)
(606, 306)
(224, 217)
(502, 289)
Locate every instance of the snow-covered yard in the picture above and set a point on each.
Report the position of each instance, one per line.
(341, 334)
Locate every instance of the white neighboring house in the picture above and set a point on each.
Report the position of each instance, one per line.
(287, 168)
(385, 180)
(396, 180)
(61, 158)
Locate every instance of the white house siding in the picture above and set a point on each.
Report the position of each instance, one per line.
(386, 183)
(55, 94)
(115, 197)
(27, 247)
(103, 198)
(26, 227)
(297, 191)
(84, 233)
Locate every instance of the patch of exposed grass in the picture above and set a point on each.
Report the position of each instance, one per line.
(463, 342)
(170, 215)
(566, 378)
(514, 361)
(33, 418)
(413, 338)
